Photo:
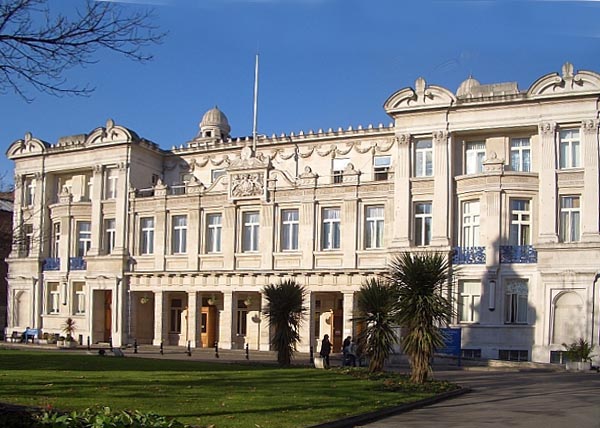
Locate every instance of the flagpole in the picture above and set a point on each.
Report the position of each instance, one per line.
(255, 119)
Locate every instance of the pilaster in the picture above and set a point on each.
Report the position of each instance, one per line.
(440, 234)
(589, 201)
(267, 220)
(160, 318)
(547, 177)
(226, 321)
(348, 231)
(401, 229)
(96, 215)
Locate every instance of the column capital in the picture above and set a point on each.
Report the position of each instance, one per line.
(589, 126)
(440, 137)
(547, 128)
(403, 139)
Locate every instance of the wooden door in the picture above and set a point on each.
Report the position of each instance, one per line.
(208, 326)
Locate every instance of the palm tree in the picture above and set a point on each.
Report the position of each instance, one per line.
(375, 310)
(420, 282)
(285, 310)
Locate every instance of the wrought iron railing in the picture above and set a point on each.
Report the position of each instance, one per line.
(51, 263)
(77, 263)
(468, 255)
(518, 254)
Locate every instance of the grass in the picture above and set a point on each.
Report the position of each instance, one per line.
(200, 393)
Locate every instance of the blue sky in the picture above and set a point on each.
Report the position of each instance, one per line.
(323, 63)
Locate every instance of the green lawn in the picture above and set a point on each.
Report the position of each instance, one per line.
(196, 393)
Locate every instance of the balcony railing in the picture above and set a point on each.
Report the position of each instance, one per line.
(468, 255)
(518, 254)
(77, 263)
(51, 263)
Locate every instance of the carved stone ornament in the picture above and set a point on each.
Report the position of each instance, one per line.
(403, 138)
(247, 185)
(308, 177)
(440, 137)
(547, 128)
(589, 126)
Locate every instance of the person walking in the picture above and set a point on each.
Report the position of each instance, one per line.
(325, 350)
(345, 349)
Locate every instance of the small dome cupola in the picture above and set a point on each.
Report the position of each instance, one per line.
(466, 88)
(214, 124)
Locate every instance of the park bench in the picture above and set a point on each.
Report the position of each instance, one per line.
(31, 333)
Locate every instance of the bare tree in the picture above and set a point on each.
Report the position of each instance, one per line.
(38, 46)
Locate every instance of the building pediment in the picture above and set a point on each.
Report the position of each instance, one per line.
(26, 147)
(421, 97)
(111, 133)
(566, 83)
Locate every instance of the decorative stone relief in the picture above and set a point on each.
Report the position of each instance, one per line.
(308, 177)
(403, 139)
(440, 137)
(350, 175)
(547, 128)
(247, 184)
(589, 126)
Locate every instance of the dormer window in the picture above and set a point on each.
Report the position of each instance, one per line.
(339, 165)
(381, 167)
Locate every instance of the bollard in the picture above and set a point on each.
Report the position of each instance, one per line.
(189, 349)
(135, 346)
(161, 348)
(311, 358)
(88, 343)
(247, 352)
(110, 343)
(216, 349)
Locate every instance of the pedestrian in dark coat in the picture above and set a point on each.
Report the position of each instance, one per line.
(325, 350)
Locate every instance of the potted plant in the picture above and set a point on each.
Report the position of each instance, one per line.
(68, 329)
(579, 355)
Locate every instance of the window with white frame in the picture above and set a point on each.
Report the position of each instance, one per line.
(570, 218)
(242, 318)
(147, 235)
(179, 234)
(470, 224)
(216, 173)
(338, 167)
(27, 239)
(84, 237)
(423, 220)
(423, 158)
(374, 223)
(469, 300)
(214, 227)
(251, 227)
(289, 230)
(89, 179)
(520, 222)
(175, 316)
(520, 154)
(79, 298)
(53, 298)
(474, 157)
(381, 167)
(515, 301)
(110, 235)
(330, 234)
(112, 179)
(29, 192)
(55, 249)
(569, 149)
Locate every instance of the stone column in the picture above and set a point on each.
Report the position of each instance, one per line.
(160, 318)
(160, 227)
(440, 234)
(349, 226)
(264, 341)
(306, 232)
(306, 324)
(348, 325)
(193, 318)
(193, 236)
(267, 221)
(491, 207)
(547, 178)
(226, 321)
(96, 197)
(228, 237)
(121, 208)
(589, 201)
(402, 207)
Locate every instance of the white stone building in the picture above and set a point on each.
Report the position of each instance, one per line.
(136, 242)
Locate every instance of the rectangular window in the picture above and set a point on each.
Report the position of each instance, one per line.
(214, 227)
(179, 236)
(27, 239)
(289, 230)
(474, 157)
(569, 149)
(339, 165)
(29, 193)
(216, 173)
(381, 167)
(53, 298)
(423, 219)
(112, 177)
(570, 212)
(423, 160)
(147, 235)
(175, 319)
(331, 229)
(520, 154)
(79, 298)
(520, 222)
(470, 224)
(515, 302)
(513, 355)
(469, 298)
(110, 235)
(84, 237)
(55, 249)
(242, 318)
(251, 227)
(374, 223)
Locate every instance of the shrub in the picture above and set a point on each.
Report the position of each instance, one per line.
(580, 350)
(105, 418)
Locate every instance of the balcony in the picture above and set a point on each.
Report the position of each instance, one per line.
(77, 263)
(518, 254)
(468, 255)
(51, 263)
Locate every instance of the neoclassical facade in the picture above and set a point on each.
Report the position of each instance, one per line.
(136, 242)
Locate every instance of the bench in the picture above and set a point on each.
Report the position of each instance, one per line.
(31, 333)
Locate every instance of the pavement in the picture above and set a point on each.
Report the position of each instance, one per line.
(515, 395)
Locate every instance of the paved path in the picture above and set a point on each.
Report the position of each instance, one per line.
(511, 399)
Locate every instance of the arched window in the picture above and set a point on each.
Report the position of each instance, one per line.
(568, 321)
